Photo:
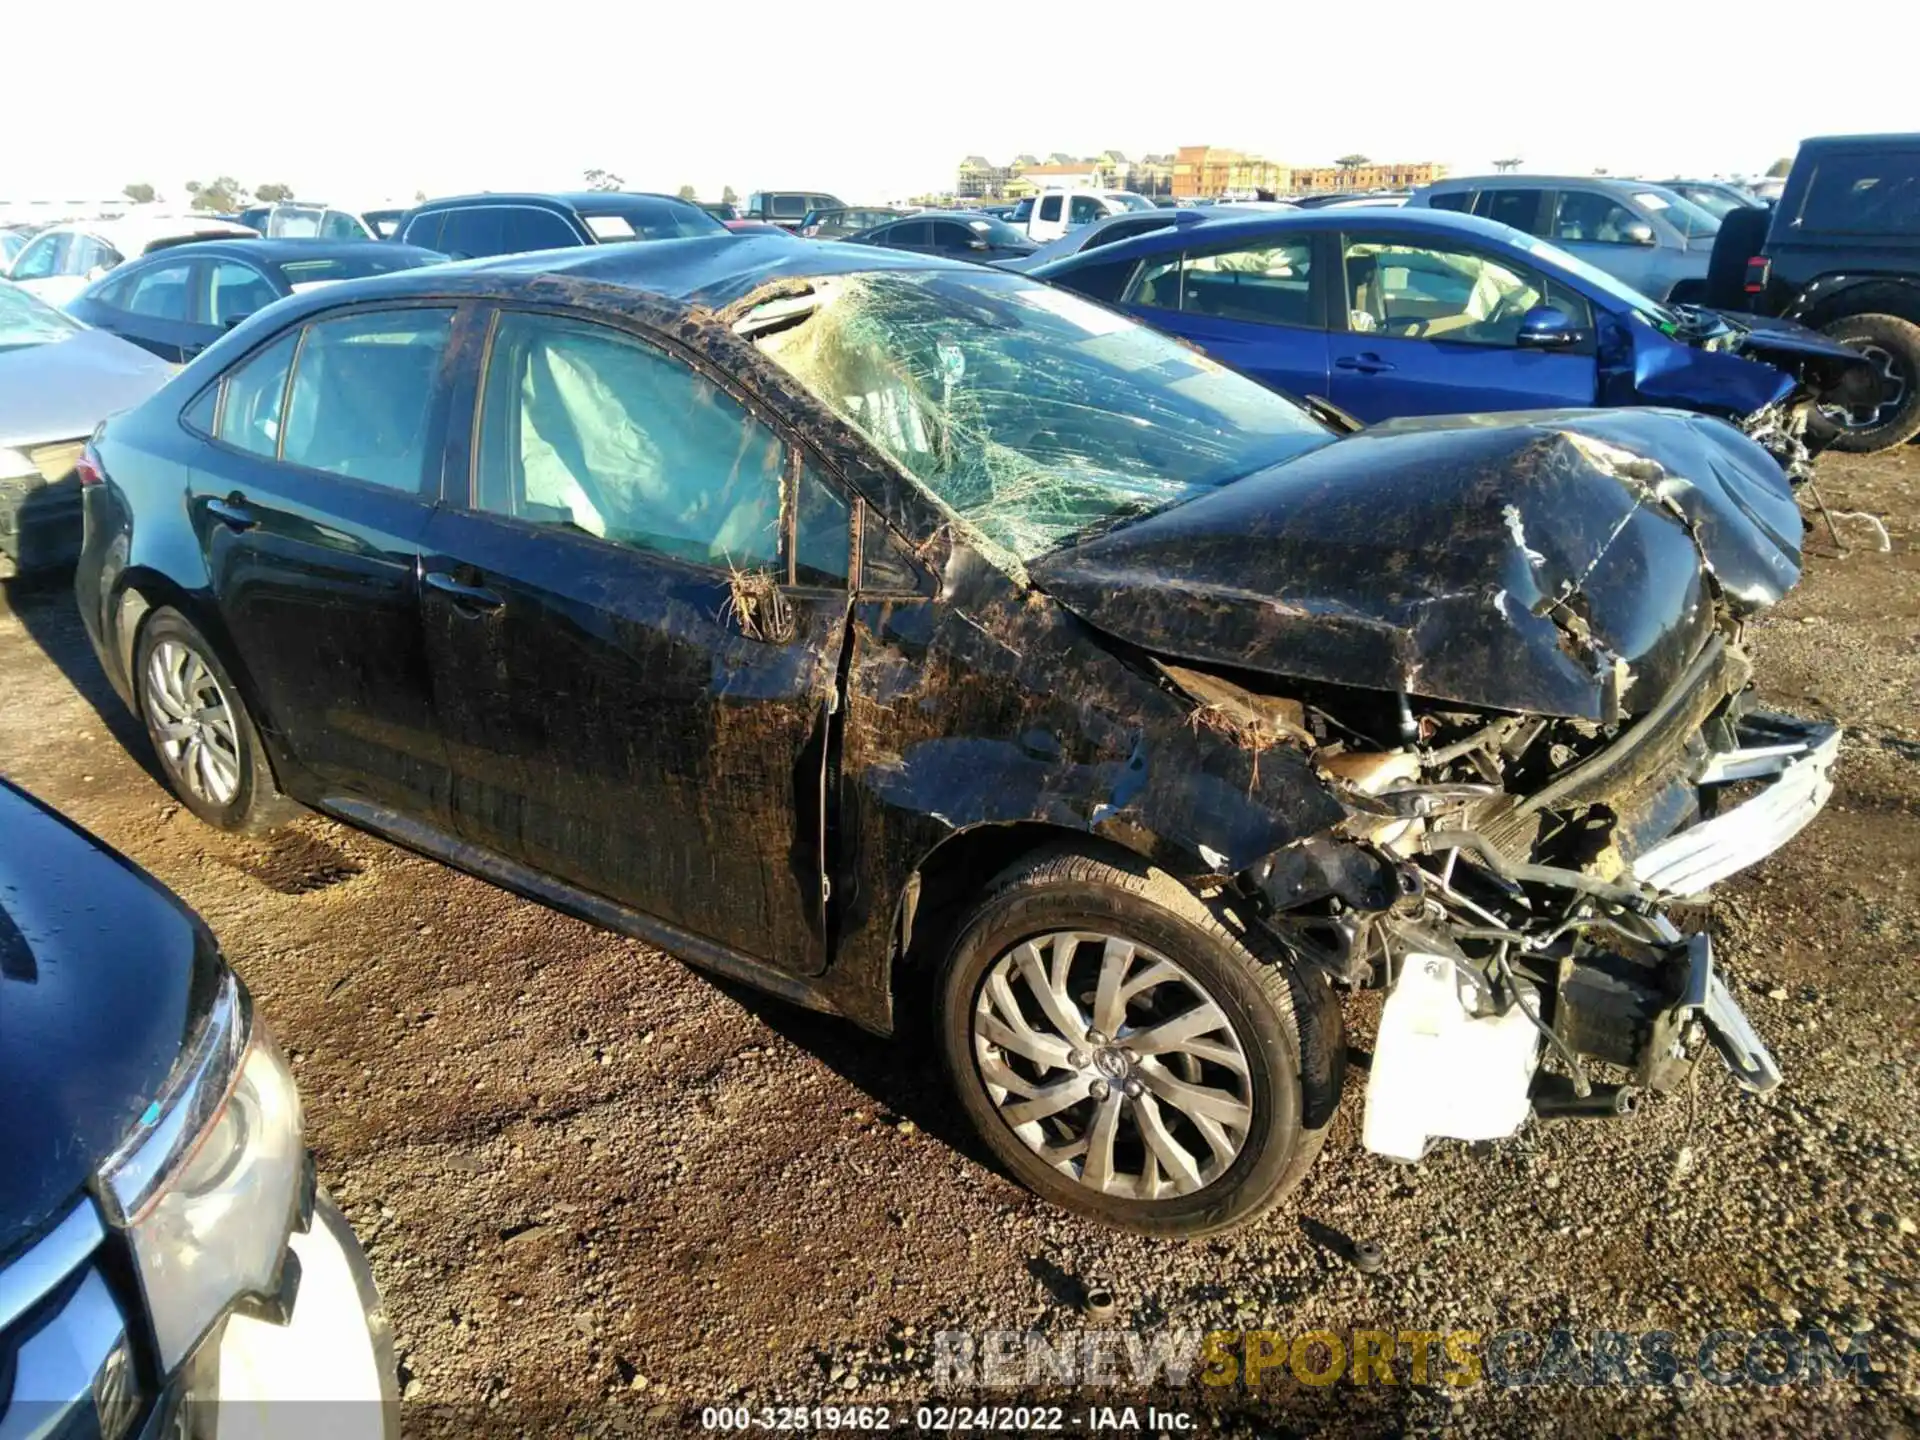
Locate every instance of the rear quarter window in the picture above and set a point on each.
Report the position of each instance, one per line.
(424, 230)
(1460, 200)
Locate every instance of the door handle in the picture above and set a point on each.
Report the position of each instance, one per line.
(470, 598)
(1367, 363)
(232, 514)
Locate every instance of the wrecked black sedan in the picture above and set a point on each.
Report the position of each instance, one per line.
(877, 630)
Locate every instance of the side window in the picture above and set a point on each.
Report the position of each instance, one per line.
(338, 225)
(823, 532)
(1084, 210)
(1461, 200)
(1423, 294)
(162, 292)
(204, 410)
(424, 230)
(362, 395)
(87, 255)
(1050, 207)
(790, 207)
(949, 236)
(471, 234)
(1105, 283)
(1874, 192)
(235, 291)
(42, 257)
(588, 429)
(1518, 208)
(1588, 217)
(1126, 230)
(756, 206)
(915, 233)
(250, 398)
(535, 230)
(1257, 284)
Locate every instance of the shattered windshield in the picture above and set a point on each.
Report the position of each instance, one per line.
(1030, 414)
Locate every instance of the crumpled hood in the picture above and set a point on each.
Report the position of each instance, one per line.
(60, 391)
(1556, 562)
(101, 970)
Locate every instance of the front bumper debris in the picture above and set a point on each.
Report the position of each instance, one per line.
(328, 1370)
(1798, 755)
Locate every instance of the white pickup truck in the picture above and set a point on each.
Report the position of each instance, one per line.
(1049, 216)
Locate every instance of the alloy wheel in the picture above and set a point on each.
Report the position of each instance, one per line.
(1112, 1064)
(1893, 392)
(193, 723)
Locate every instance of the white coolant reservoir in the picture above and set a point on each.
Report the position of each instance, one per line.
(1440, 1071)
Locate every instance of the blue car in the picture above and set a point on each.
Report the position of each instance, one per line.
(1386, 313)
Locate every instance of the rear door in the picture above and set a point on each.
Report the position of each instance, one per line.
(635, 622)
(1428, 327)
(155, 305)
(309, 508)
(1253, 303)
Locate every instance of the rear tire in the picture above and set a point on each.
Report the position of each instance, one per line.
(1178, 1127)
(1894, 346)
(207, 744)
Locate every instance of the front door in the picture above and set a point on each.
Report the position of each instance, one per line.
(1251, 304)
(636, 639)
(309, 510)
(1430, 328)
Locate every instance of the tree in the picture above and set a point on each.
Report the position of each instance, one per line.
(1352, 162)
(603, 180)
(727, 197)
(270, 194)
(223, 194)
(1779, 168)
(140, 194)
(1503, 166)
(688, 193)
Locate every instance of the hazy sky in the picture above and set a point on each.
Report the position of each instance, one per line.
(353, 100)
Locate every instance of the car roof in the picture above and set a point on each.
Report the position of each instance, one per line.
(275, 252)
(602, 200)
(706, 271)
(1603, 182)
(1861, 142)
(1225, 229)
(142, 230)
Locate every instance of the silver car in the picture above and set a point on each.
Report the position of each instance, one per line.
(58, 379)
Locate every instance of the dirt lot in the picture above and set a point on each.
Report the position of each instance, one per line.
(594, 1183)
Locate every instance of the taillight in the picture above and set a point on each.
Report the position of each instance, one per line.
(1759, 272)
(89, 468)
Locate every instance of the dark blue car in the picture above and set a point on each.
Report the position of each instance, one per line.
(1421, 312)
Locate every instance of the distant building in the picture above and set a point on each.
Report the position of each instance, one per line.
(979, 178)
(1204, 171)
(1393, 175)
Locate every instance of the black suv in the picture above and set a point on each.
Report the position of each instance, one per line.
(1842, 254)
(468, 227)
(167, 1265)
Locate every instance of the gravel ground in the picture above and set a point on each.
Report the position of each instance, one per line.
(599, 1189)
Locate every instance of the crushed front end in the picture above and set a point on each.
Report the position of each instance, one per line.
(1524, 676)
(1504, 878)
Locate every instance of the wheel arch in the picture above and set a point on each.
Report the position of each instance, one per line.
(141, 591)
(957, 870)
(1861, 295)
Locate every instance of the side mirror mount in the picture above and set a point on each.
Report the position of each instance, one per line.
(1639, 233)
(978, 245)
(1547, 327)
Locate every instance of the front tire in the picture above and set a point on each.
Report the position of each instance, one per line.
(207, 744)
(1125, 1055)
(1893, 345)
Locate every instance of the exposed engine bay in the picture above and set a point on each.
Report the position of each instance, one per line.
(1503, 876)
